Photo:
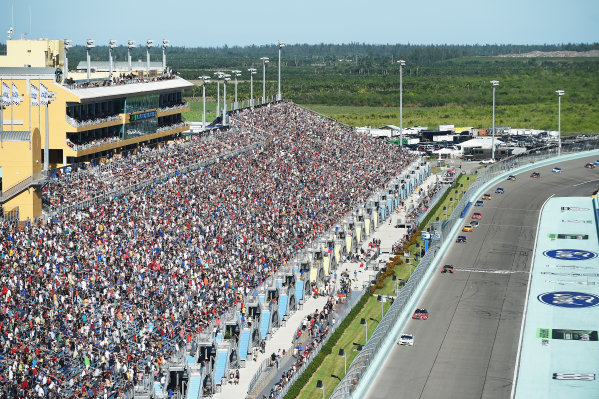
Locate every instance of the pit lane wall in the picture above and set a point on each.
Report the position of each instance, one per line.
(363, 370)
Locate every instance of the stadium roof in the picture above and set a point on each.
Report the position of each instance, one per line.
(14, 72)
(118, 66)
(94, 93)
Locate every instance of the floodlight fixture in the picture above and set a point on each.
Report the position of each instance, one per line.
(560, 93)
(130, 45)
(165, 44)
(149, 44)
(401, 64)
(281, 45)
(89, 44)
(494, 83)
(111, 45)
(252, 72)
(264, 62)
(10, 31)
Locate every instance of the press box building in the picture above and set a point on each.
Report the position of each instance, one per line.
(86, 119)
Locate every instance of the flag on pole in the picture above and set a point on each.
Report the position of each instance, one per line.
(16, 98)
(35, 101)
(43, 94)
(5, 94)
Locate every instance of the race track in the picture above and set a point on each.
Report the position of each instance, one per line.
(467, 348)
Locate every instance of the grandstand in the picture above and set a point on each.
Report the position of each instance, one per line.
(171, 264)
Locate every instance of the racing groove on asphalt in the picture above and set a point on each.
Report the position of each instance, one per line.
(467, 348)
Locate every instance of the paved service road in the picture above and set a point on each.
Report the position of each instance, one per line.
(467, 348)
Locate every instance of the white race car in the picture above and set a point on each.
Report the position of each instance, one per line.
(406, 339)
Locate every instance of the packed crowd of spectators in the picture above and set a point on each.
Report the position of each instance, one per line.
(147, 163)
(96, 300)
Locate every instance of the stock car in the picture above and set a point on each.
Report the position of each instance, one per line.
(535, 175)
(557, 170)
(467, 228)
(421, 314)
(406, 339)
(479, 203)
(474, 223)
(448, 269)
(461, 239)
(499, 190)
(596, 162)
(590, 166)
(511, 178)
(486, 196)
(477, 215)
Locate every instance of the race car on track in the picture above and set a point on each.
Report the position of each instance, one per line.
(479, 203)
(477, 215)
(535, 175)
(557, 170)
(596, 162)
(590, 166)
(486, 196)
(467, 228)
(511, 178)
(499, 190)
(461, 239)
(421, 314)
(474, 223)
(406, 339)
(448, 269)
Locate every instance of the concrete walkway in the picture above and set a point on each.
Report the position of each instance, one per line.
(282, 338)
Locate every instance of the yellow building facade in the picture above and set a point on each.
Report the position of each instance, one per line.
(83, 121)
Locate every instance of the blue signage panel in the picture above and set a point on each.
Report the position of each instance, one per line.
(143, 115)
(569, 299)
(570, 254)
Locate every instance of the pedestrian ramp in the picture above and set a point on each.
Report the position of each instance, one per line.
(264, 323)
(283, 301)
(157, 389)
(220, 366)
(299, 290)
(244, 344)
(195, 387)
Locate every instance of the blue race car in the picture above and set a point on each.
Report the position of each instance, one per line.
(499, 190)
(479, 203)
(462, 239)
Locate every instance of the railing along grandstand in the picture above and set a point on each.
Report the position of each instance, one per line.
(362, 361)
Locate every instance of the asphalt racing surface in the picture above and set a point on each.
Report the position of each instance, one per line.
(467, 348)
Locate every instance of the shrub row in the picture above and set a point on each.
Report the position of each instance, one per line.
(326, 350)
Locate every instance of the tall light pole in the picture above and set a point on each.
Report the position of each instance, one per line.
(67, 46)
(149, 44)
(130, 45)
(205, 79)
(281, 45)
(226, 78)
(165, 44)
(236, 73)
(111, 45)
(88, 46)
(401, 64)
(219, 76)
(495, 83)
(252, 72)
(264, 62)
(560, 93)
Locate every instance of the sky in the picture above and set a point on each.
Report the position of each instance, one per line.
(198, 23)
